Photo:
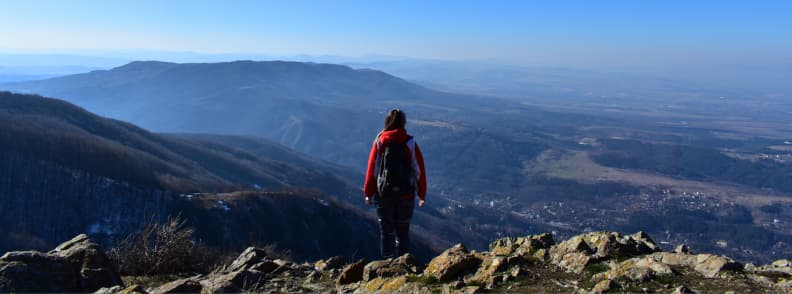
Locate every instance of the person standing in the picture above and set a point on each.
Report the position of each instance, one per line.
(395, 175)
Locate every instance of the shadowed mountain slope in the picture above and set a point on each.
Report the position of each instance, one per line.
(64, 170)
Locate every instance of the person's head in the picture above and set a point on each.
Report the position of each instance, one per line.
(395, 120)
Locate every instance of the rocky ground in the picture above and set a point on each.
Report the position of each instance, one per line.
(593, 262)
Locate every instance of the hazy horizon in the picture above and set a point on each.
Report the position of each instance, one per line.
(567, 33)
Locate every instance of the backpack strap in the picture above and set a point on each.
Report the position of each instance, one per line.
(377, 140)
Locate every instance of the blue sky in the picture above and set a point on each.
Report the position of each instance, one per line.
(562, 32)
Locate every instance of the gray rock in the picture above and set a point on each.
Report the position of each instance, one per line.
(335, 262)
(32, 271)
(405, 264)
(683, 290)
(110, 290)
(451, 263)
(352, 273)
(247, 258)
(605, 286)
(78, 265)
(134, 289)
(186, 285)
(576, 253)
(781, 266)
(96, 270)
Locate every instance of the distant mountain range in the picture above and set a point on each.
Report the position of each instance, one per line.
(287, 101)
(328, 111)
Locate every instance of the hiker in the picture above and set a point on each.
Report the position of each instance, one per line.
(395, 175)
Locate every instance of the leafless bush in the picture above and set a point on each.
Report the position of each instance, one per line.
(273, 251)
(163, 248)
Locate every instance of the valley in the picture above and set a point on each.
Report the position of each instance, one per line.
(497, 166)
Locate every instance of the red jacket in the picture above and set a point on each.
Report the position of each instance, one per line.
(399, 135)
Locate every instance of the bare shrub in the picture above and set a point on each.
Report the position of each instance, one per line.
(163, 248)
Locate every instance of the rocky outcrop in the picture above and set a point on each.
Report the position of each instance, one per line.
(352, 273)
(580, 251)
(780, 267)
(777, 274)
(331, 263)
(78, 265)
(186, 285)
(403, 265)
(635, 269)
(642, 268)
(596, 262)
(522, 246)
(605, 286)
(706, 264)
(133, 289)
(96, 270)
(451, 263)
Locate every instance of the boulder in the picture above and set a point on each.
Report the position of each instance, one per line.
(640, 243)
(33, 271)
(683, 290)
(266, 266)
(609, 245)
(711, 265)
(78, 265)
(451, 263)
(470, 290)
(247, 272)
(486, 272)
(635, 269)
(386, 285)
(96, 270)
(233, 282)
(605, 286)
(578, 252)
(110, 290)
(669, 258)
(334, 262)
(574, 262)
(784, 284)
(186, 285)
(521, 245)
(134, 289)
(778, 267)
(572, 245)
(352, 273)
(236, 281)
(571, 255)
(708, 265)
(370, 271)
(405, 264)
(247, 258)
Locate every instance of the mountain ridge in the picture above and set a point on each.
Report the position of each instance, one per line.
(65, 170)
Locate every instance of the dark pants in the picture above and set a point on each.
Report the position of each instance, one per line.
(394, 215)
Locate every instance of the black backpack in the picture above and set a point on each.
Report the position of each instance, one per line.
(395, 170)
